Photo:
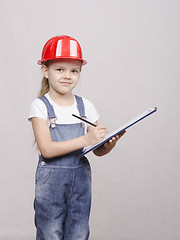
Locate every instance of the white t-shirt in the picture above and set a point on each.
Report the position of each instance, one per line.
(63, 113)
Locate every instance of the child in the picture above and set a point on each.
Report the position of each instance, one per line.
(63, 179)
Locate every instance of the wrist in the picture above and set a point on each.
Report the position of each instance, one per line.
(85, 140)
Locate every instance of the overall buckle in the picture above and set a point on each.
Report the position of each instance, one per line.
(53, 122)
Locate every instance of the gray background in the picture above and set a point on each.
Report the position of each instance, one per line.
(132, 48)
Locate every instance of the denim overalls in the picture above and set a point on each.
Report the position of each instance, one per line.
(63, 186)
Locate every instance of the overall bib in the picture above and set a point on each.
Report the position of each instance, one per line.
(63, 186)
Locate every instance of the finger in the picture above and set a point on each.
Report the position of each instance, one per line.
(121, 134)
(101, 127)
(102, 133)
(106, 145)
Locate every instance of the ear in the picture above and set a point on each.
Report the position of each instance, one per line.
(44, 70)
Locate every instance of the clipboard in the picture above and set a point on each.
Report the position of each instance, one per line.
(119, 130)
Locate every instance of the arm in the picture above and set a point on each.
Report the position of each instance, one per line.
(50, 149)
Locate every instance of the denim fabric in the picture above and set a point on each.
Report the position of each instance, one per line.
(63, 190)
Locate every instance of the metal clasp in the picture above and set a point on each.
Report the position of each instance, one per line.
(53, 122)
(83, 123)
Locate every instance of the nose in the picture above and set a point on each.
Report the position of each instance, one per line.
(67, 75)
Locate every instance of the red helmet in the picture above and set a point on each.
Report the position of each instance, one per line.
(61, 47)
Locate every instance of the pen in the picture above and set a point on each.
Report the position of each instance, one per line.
(84, 120)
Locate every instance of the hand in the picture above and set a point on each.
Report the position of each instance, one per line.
(95, 134)
(112, 142)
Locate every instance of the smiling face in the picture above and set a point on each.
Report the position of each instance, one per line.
(62, 75)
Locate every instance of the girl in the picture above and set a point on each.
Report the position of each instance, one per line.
(63, 179)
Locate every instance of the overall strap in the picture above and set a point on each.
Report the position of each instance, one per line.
(80, 106)
(51, 113)
(50, 109)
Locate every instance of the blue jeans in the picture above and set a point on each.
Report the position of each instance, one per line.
(62, 203)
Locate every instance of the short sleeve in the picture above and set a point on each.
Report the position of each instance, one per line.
(37, 109)
(90, 111)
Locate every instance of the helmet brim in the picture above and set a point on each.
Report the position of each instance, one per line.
(42, 61)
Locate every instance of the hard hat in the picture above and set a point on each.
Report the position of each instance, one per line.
(60, 47)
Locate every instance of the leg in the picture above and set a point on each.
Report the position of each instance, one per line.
(78, 207)
(48, 226)
(52, 187)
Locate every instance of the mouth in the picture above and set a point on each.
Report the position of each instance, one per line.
(66, 83)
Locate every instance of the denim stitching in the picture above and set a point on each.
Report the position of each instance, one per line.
(72, 185)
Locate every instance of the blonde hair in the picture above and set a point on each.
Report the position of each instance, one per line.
(44, 83)
(44, 87)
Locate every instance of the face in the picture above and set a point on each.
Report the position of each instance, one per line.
(62, 75)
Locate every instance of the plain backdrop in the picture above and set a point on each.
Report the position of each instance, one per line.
(133, 52)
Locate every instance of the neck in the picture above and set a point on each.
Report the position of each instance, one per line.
(62, 99)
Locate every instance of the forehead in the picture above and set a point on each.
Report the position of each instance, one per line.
(73, 63)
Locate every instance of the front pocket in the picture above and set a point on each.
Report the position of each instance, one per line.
(42, 175)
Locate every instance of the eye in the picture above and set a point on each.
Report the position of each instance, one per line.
(75, 71)
(59, 69)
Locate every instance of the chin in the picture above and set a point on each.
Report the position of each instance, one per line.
(65, 92)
